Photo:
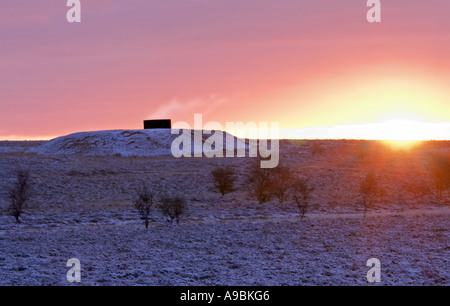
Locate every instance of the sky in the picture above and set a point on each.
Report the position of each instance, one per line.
(314, 67)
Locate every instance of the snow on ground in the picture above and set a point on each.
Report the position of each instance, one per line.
(105, 143)
(82, 208)
(412, 250)
(153, 142)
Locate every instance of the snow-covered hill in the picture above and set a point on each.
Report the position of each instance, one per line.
(142, 143)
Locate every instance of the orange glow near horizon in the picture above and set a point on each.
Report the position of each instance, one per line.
(400, 130)
(317, 68)
(27, 138)
(401, 133)
(365, 99)
(403, 145)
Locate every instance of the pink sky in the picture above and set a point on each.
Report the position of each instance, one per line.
(299, 63)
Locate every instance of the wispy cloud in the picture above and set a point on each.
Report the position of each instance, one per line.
(185, 109)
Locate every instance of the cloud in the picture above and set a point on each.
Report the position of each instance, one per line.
(179, 109)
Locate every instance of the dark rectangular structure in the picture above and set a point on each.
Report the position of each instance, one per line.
(157, 124)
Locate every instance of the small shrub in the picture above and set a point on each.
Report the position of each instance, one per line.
(302, 195)
(369, 189)
(19, 194)
(281, 182)
(173, 208)
(144, 201)
(418, 189)
(224, 179)
(440, 174)
(260, 181)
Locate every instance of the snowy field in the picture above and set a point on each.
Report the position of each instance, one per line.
(81, 207)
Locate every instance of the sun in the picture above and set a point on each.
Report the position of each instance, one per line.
(398, 130)
(402, 130)
(403, 134)
(402, 144)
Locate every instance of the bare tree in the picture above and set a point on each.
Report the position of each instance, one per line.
(440, 174)
(302, 195)
(144, 201)
(173, 208)
(281, 182)
(418, 188)
(224, 179)
(369, 189)
(19, 194)
(260, 181)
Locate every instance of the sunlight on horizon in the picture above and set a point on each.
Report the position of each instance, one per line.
(391, 130)
(27, 138)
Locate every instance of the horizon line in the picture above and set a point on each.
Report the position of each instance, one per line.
(390, 130)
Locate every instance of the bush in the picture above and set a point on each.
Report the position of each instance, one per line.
(265, 183)
(302, 195)
(281, 182)
(418, 188)
(224, 179)
(144, 201)
(369, 189)
(19, 194)
(440, 174)
(260, 182)
(173, 208)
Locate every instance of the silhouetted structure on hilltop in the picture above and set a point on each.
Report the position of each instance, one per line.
(157, 124)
